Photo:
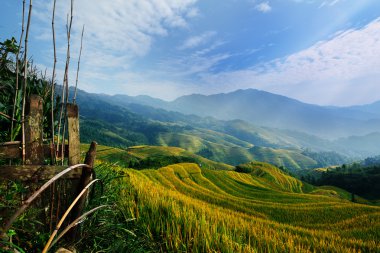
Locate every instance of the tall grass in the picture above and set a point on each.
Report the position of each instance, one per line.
(189, 209)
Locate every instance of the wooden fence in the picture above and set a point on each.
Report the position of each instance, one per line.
(37, 153)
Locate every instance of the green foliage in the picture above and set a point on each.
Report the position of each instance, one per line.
(28, 233)
(36, 84)
(355, 178)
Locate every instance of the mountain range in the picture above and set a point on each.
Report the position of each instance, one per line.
(235, 127)
(266, 109)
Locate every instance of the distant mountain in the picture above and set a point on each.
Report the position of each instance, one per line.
(269, 110)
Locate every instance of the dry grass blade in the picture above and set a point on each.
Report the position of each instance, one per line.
(47, 246)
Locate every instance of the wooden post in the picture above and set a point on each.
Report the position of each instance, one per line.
(34, 151)
(73, 132)
(84, 181)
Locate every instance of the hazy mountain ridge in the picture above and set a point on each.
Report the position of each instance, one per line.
(124, 121)
(266, 109)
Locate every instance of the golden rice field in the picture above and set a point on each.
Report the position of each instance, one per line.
(191, 209)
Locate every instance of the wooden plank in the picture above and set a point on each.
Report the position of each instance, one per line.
(35, 172)
(73, 133)
(10, 150)
(34, 153)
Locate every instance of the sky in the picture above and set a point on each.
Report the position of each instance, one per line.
(324, 52)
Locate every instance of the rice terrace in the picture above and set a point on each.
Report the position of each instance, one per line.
(190, 126)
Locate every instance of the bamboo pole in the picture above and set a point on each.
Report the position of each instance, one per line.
(67, 70)
(65, 87)
(80, 54)
(25, 80)
(52, 83)
(17, 68)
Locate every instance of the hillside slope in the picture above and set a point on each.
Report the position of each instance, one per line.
(191, 209)
(152, 157)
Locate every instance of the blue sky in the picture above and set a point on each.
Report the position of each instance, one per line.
(318, 51)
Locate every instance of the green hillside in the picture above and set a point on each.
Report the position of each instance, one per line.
(185, 208)
(152, 157)
(230, 153)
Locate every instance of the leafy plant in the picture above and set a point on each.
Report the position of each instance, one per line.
(37, 83)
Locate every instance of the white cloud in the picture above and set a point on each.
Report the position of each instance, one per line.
(329, 3)
(263, 7)
(117, 33)
(126, 26)
(198, 40)
(343, 70)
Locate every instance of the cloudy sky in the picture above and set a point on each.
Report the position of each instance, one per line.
(318, 51)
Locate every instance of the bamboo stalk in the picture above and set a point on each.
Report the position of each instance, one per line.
(17, 67)
(65, 87)
(47, 246)
(37, 193)
(62, 101)
(52, 83)
(75, 223)
(80, 54)
(25, 80)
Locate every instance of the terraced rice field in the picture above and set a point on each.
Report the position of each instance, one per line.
(191, 209)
